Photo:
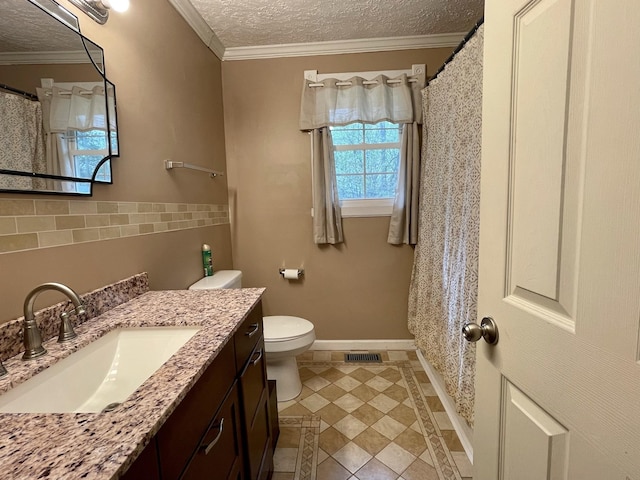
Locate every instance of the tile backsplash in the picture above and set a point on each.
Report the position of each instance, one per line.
(31, 224)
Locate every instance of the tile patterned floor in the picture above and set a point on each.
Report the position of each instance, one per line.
(366, 421)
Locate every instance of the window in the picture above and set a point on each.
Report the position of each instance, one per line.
(87, 150)
(367, 159)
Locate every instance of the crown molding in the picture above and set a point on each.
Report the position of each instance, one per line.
(335, 47)
(198, 24)
(343, 46)
(29, 58)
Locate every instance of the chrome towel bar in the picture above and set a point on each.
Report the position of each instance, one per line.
(169, 164)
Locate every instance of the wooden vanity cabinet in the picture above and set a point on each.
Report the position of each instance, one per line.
(219, 453)
(180, 437)
(254, 395)
(146, 465)
(221, 430)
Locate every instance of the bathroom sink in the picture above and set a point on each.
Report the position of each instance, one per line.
(99, 376)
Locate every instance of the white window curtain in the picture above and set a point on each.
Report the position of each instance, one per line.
(339, 102)
(65, 110)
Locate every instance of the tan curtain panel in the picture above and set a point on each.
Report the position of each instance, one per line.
(327, 220)
(403, 226)
(444, 283)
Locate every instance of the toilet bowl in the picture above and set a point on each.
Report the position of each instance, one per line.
(284, 338)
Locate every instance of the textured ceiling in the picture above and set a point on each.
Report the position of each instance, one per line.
(26, 28)
(243, 23)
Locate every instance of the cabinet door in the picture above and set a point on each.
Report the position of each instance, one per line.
(259, 442)
(255, 413)
(182, 432)
(146, 465)
(219, 455)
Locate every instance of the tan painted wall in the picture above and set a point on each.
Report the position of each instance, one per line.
(169, 106)
(354, 291)
(27, 77)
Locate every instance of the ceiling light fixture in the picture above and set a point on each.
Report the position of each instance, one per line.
(99, 9)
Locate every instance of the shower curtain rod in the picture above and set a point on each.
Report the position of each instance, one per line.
(28, 95)
(460, 46)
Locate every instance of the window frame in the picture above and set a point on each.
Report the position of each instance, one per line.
(369, 207)
(74, 152)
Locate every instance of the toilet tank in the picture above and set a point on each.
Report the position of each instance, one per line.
(219, 279)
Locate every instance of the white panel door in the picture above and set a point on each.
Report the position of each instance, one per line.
(559, 396)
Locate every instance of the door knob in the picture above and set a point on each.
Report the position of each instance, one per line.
(487, 329)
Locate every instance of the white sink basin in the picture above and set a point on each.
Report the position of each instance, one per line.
(104, 372)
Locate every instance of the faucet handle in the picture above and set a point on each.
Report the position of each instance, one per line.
(66, 332)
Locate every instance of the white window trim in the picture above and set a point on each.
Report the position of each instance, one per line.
(369, 207)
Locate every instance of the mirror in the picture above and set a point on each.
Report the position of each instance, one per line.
(58, 129)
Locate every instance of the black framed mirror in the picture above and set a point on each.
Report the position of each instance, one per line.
(58, 122)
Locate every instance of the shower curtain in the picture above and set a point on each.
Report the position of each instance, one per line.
(21, 140)
(444, 283)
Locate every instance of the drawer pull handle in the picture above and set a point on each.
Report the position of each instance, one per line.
(260, 353)
(211, 444)
(254, 328)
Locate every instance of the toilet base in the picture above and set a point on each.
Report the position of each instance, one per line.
(284, 371)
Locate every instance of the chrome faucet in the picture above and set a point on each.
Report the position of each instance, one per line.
(32, 339)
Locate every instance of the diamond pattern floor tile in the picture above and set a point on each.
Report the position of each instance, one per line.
(372, 422)
(352, 457)
(350, 426)
(396, 457)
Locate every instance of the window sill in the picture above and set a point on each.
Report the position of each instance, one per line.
(366, 208)
(382, 207)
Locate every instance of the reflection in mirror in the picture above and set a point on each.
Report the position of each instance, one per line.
(57, 111)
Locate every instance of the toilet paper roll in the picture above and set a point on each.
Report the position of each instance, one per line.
(290, 273)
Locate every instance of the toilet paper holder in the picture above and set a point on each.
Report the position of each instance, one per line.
(299, 270)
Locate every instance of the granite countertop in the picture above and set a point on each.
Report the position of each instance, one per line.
(103, 445)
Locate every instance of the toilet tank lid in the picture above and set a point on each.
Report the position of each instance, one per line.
(282, 327)
(220, 279)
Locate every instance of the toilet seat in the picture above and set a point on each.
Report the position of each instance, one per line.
(282, 328)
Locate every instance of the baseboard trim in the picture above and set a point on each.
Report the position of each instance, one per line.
(347, 345)
(464, 431)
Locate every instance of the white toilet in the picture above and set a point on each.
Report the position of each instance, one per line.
(284, 338)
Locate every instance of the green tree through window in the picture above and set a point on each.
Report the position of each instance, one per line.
(87, 150)
(367, 159)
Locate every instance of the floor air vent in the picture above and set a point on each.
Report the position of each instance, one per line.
(362, 357)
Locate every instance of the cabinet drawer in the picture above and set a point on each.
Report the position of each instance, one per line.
(247, 336)
(253, 381)
(180, 435)
(219, 455)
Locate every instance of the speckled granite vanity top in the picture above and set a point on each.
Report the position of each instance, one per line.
(103, 445)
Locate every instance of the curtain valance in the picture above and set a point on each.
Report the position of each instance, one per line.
(340, 102)
(75, 109)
